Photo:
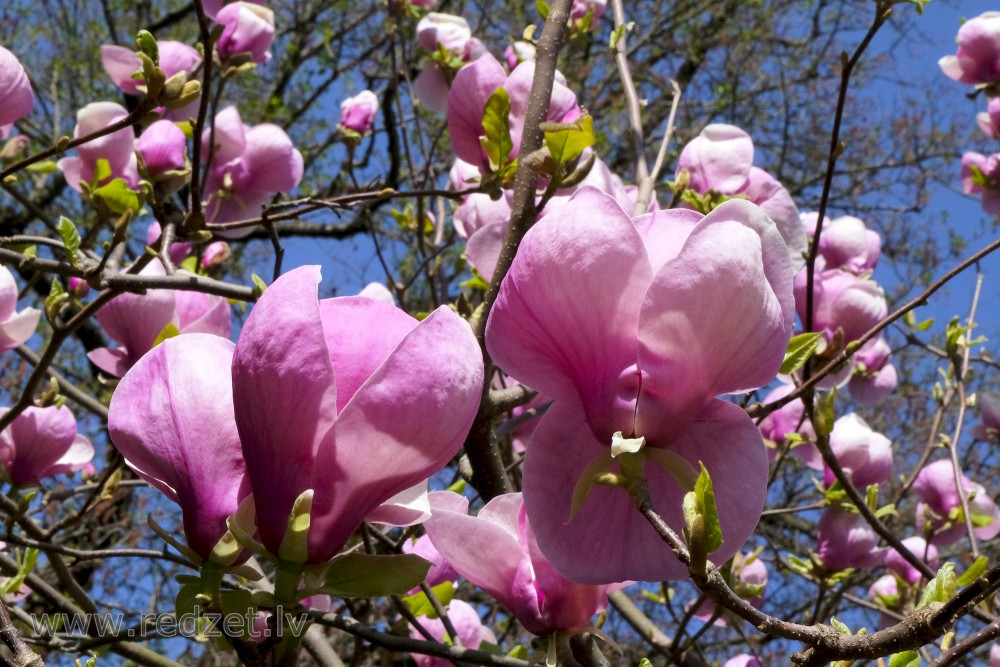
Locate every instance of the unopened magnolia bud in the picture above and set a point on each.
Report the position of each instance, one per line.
(189, 93)
(13, 148)
(173, 86)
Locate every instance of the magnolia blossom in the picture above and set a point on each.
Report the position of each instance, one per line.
(742, 661)
(118, 148)
(919, 547)
(136, 321)
(249, 28)
(841, 300)
(358, 113)
(787, 420)
(473, 86)
(581, 8)
(989, 120)
(865, 456)
(348, 401)
(940, 507)
(163, 148)
(995, 655)
(431, 88)
(370, 403)
(845, 243)
(42, 442)
(981, 174)
(249, 166)
(121, 63)
(452, 33)
(513, 570)
(720, 160)
(874, 377)
(212, 7)
(18, 98)
(657, 317)
(16, 327)
(989, 412)
(885, 591)
(978, 58)
(846, 540)
(517, 53)
(468, 626)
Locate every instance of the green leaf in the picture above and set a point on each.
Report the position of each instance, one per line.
(27, 565)
(566, 141)
(119, 197)
(420, 605)
(616, 36)
(520, 652)
(543, 8)
(364, 575)
(70, 238)
(258, 285)
(941, 588)
(975, 570)
(645, 663)
(800, 348)
(496, 123)
(825, 413)
(147, 44)
(840, 627)
(102, 171)
(905, 659)
(701, 516)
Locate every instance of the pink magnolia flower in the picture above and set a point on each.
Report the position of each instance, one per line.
(409, 507)
(874, 377)
(657, 317)
(516, 573)
(846, 243)
(989, 412)
(370, 403)
(846, 540)
(581, 8)
(989, 120)
(841, 300)
(919, 547)
(213, 7)
(18, 98)
(786, 420)
(158, 419)
(249, 166)
(163, 147)
(468, 626)
(452, 33)
(42, 442)
(517, 53)
(940, 504)
(431, 88)
(358, 113)
(249, 28)
(472, 88)
(16, 327)
(986, 181)
(978, 58)
(78, 287)
(866, 456)
(121, 63)
(995, 655)
(742, 661)
(885, 592)
(135, 321)
(720, 159)
(118, 148)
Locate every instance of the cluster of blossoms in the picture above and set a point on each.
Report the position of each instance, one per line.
(977, 62)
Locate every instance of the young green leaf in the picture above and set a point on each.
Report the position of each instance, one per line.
(70, 238)
(566, 141)
(941, 588)
(905, 659)
(364, 575)
(800, 348)
(496, 123)
(119, 197)
(975, 570)
(420, 605)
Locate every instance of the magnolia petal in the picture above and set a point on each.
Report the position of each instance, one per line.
(407, 420)
(79, 454)
(120, 64)
(484, 248)
(172, 418)
(40, 437)
(587, 264)
(407, 508)
(285, 403)
(718, 159)
(471, 89)
(717, 318)
(772, 197)
(19, 328)
(271, 160)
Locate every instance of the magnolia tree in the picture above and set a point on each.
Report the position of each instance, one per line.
(638, 375)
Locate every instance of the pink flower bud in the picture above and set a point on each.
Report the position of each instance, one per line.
(249, 28)
(358, 113)
(15, 327)
(121, 63)
(846, 540)
(978, 58)
(78, 287)
(989, 120)
(918, 546)
(18, 98)
(215, 255)
(580, 9)
(866, 456)
(162, 147)
(841, 301)
(981, 174)
(42, 442)
(874, 377)
(468, 626)
(939, 495)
